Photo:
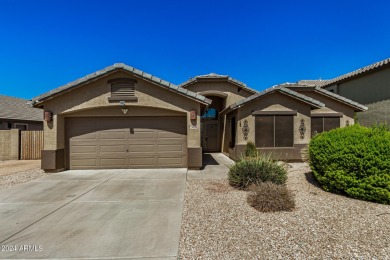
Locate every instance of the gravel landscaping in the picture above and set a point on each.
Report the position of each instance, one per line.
(219, 224)
(15, 172)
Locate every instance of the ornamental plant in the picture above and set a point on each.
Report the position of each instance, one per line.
(354, 161)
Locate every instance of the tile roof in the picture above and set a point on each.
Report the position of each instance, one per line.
(218, 76)
(329, 94)
(122, 66)
(18, 108)
(356, 73)
(313, 82)
(341, 99)
(282, 89)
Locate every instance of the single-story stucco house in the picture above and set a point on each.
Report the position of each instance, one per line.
(121, 117)
(369, 86)
(15, 113)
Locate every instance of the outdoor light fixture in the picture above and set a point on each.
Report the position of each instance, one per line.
(47, 116)
(123, 105)
(193, 115)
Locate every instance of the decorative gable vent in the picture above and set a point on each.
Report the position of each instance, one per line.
(122, 90)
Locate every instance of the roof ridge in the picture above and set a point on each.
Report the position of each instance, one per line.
(359, 71)
(214, 75)
(133, 70)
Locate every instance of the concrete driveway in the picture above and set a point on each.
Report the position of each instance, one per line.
(99, 214)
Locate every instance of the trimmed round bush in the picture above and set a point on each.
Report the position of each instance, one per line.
(354, 161)
(255, 170)
(270, 197)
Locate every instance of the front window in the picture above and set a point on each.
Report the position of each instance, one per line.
(274, 131)
(210, 113)
(321, 124)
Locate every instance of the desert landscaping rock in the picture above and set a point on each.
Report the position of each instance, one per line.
(219, 224)
(14, 172)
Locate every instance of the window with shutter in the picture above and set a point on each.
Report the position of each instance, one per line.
(122, 90)
(274, 131)
(321, 124)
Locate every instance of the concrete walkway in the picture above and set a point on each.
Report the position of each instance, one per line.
(215, 166)
(100, 214)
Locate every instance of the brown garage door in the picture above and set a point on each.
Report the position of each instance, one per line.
(132, 142)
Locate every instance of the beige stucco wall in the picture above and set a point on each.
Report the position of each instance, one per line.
(333, 106)
(9, 144)
(275, 102)
(226, 87)
(366, 89)
(92, 100)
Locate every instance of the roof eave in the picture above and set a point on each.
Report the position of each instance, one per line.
(37, 102)
(358, 107)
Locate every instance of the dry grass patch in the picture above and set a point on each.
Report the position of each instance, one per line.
(218, 187)
(269, 197)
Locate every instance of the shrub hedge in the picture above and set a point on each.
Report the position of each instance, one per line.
(354, 161)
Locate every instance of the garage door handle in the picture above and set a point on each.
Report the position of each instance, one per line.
(127, 150)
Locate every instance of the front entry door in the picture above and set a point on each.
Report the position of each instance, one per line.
(211, 137)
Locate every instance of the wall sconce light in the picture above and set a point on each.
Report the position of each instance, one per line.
(193, 114)
(123, 105)
(47, 116)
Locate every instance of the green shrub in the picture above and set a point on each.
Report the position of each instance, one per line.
(251, 150)
(354, 161)
(255, 170)
(270, 197)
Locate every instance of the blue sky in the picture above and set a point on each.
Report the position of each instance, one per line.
(45, 44)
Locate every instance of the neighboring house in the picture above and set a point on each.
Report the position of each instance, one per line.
(16, 113)
(369, 85)
(121, 117)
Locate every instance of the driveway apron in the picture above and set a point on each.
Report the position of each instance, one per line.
(94, 214)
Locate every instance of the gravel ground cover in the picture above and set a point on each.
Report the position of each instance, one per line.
(14, 172)
(219, 224)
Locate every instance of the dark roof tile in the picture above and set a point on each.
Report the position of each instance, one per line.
(18, 108)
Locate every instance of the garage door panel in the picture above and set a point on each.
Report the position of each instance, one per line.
(84, 162)
(113, 135)
(113, 162)
(129, 142)
(137, 135)
(112, 148)
(142, 148)
(169, 148)
(84, 149)
(170, 135)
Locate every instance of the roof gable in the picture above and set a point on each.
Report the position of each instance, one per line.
(216, 77)
(348, 76)
(318, 89)
(313, 102)
(113, 68)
